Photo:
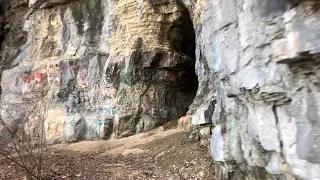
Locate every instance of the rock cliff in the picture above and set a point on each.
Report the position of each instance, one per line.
(245, 73)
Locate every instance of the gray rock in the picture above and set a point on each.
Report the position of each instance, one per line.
(217, 144)
(202, 116)
(124, 67)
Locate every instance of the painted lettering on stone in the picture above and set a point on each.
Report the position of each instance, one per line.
(36, 77)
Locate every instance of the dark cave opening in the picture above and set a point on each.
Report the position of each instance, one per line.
(182, 35)
(182, 39)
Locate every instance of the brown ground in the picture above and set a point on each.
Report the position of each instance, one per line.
(156, 154)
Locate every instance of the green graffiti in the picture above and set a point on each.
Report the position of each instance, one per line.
(72, 123)
(128, 76)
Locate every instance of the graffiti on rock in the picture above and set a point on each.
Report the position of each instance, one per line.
(216, 60)
(128, 93)
(128, 76)
(108, 110)
(93, 126)
(36, 77)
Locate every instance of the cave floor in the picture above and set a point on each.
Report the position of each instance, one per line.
(158, 154)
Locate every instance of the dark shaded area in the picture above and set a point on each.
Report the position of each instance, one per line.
(182, 39)
(305, 105)
(155, 3)
(81, 129)
(3, 19)
(12, 33)
(156, 86)
(108, 128)
(315, 7)
(271, 8)
(90, 11)
(182, 35)
(186, 45)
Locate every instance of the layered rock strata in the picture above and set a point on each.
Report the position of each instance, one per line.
(245, 73)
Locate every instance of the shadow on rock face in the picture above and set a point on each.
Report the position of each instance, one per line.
(81, 129)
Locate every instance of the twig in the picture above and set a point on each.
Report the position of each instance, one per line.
(14, 161)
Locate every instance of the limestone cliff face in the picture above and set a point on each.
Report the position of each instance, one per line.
(264, 59)
(106, 67)
(245, 72)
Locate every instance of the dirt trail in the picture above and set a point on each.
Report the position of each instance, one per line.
(156, 154)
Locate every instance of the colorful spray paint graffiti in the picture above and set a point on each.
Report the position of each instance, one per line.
(129, 89)
(34, 80)
(94, 127)
(36, 77)
(129, 94)
(128, 76)
(108, 110)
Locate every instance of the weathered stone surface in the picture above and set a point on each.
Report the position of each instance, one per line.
(254, 96)
(301, 34)
(111, 69)
(106, 67)
(203, 115)
(216, 144)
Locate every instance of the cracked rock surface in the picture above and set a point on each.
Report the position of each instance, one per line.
(245, 73)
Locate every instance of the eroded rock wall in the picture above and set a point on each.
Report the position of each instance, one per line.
(113, 68)
(107, 68)
(263, 63)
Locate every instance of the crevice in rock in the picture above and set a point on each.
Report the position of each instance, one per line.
(275, 112)
(182, 40)
(182, 35)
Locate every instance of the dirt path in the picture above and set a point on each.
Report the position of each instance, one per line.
(152, 155)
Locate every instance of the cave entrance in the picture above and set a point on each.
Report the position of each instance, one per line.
(182, 39)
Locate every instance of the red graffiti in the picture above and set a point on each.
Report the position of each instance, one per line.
(36, 76)
(3, 18)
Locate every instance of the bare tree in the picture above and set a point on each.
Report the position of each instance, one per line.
(25, 145)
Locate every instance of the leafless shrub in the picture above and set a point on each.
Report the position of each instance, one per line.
(24, 141)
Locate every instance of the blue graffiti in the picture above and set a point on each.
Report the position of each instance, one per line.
(20, 53)
(216, 60)
(108, 110)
